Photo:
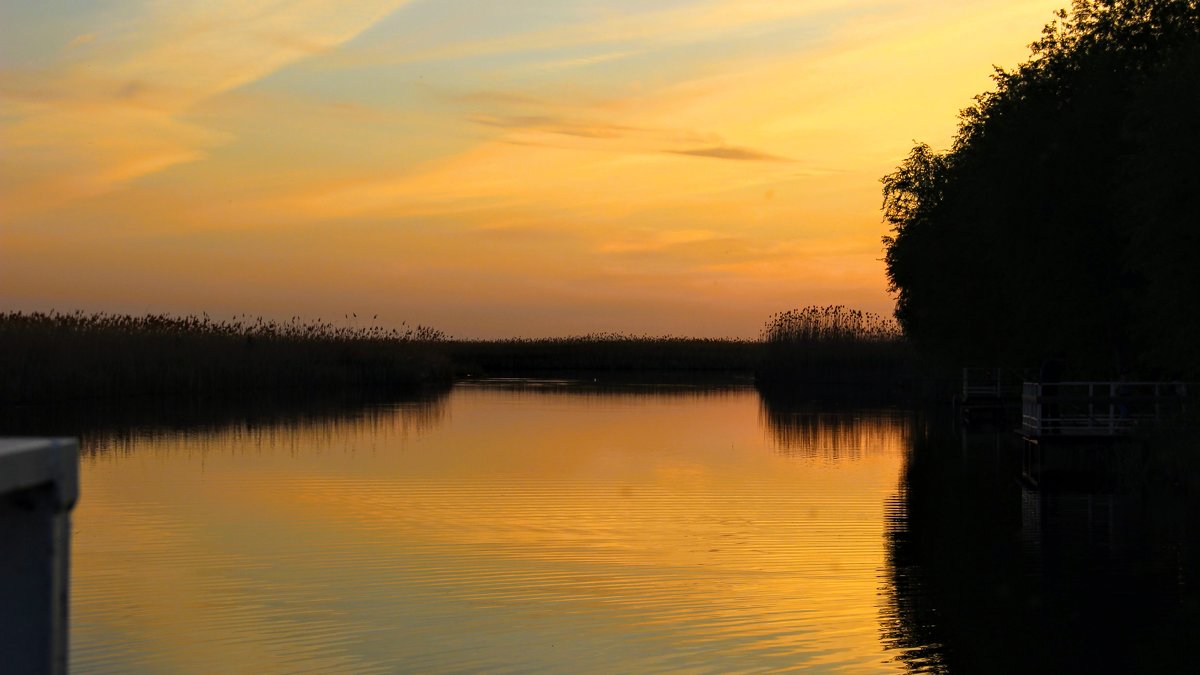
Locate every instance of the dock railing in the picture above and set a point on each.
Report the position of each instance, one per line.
(1113, 408)
(989, 384)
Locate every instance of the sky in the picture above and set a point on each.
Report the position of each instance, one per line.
(487, 167)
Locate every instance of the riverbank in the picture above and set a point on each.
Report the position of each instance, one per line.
(57, 358)
(607, 354)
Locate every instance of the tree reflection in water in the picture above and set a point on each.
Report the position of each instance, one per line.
(808, 430)
(990, 576)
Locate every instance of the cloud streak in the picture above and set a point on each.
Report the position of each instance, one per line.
(699, 21)
(730, 152)
(558, 125)
(87, 125)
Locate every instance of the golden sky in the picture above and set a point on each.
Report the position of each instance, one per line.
(488, 167)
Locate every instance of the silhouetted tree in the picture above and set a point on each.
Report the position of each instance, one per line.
(1062, 219)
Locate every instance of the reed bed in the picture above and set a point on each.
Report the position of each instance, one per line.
(831, 323)
(835, 351)
(54, 356)
(821, 352)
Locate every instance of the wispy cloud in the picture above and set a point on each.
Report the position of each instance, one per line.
(558, 125)
(584, 61)
(773, 121)
(685, 24)
(729, 152)
(216, 46)
(79, 128)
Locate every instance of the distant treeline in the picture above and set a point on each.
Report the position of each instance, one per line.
(606, 353)
(54, 357)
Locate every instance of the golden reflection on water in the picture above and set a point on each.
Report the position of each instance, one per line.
(497, 529)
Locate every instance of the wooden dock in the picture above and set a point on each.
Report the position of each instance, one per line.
(1098, 409)
(1071, 430)
(988, 395)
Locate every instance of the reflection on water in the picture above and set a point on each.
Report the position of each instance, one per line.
(522, 528)
(990, 576)
(549, 525)
(835, 435)
(291, 432)
(116, 425)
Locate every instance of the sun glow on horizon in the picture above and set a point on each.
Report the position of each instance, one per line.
(688, 167)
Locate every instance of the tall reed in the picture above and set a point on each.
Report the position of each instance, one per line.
(835, 350)
(55, 356)
(830, 324)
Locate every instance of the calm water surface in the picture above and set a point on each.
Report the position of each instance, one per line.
(534, 528)
(546, 528)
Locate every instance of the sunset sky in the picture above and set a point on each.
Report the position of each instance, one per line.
(491, 168)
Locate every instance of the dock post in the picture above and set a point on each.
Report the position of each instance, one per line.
(39, 483)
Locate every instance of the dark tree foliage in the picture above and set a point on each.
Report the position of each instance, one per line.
(1062, 222)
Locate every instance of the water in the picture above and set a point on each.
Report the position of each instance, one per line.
(548, 527)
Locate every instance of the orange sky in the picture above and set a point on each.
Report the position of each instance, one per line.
(547, 167)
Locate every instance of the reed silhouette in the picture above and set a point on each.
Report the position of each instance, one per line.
(59, 357)
(836, 351)
(56, 357)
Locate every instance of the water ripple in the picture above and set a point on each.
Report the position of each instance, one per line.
(524, 533)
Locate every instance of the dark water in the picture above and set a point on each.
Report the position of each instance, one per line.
(550, 527)
(991, 576)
